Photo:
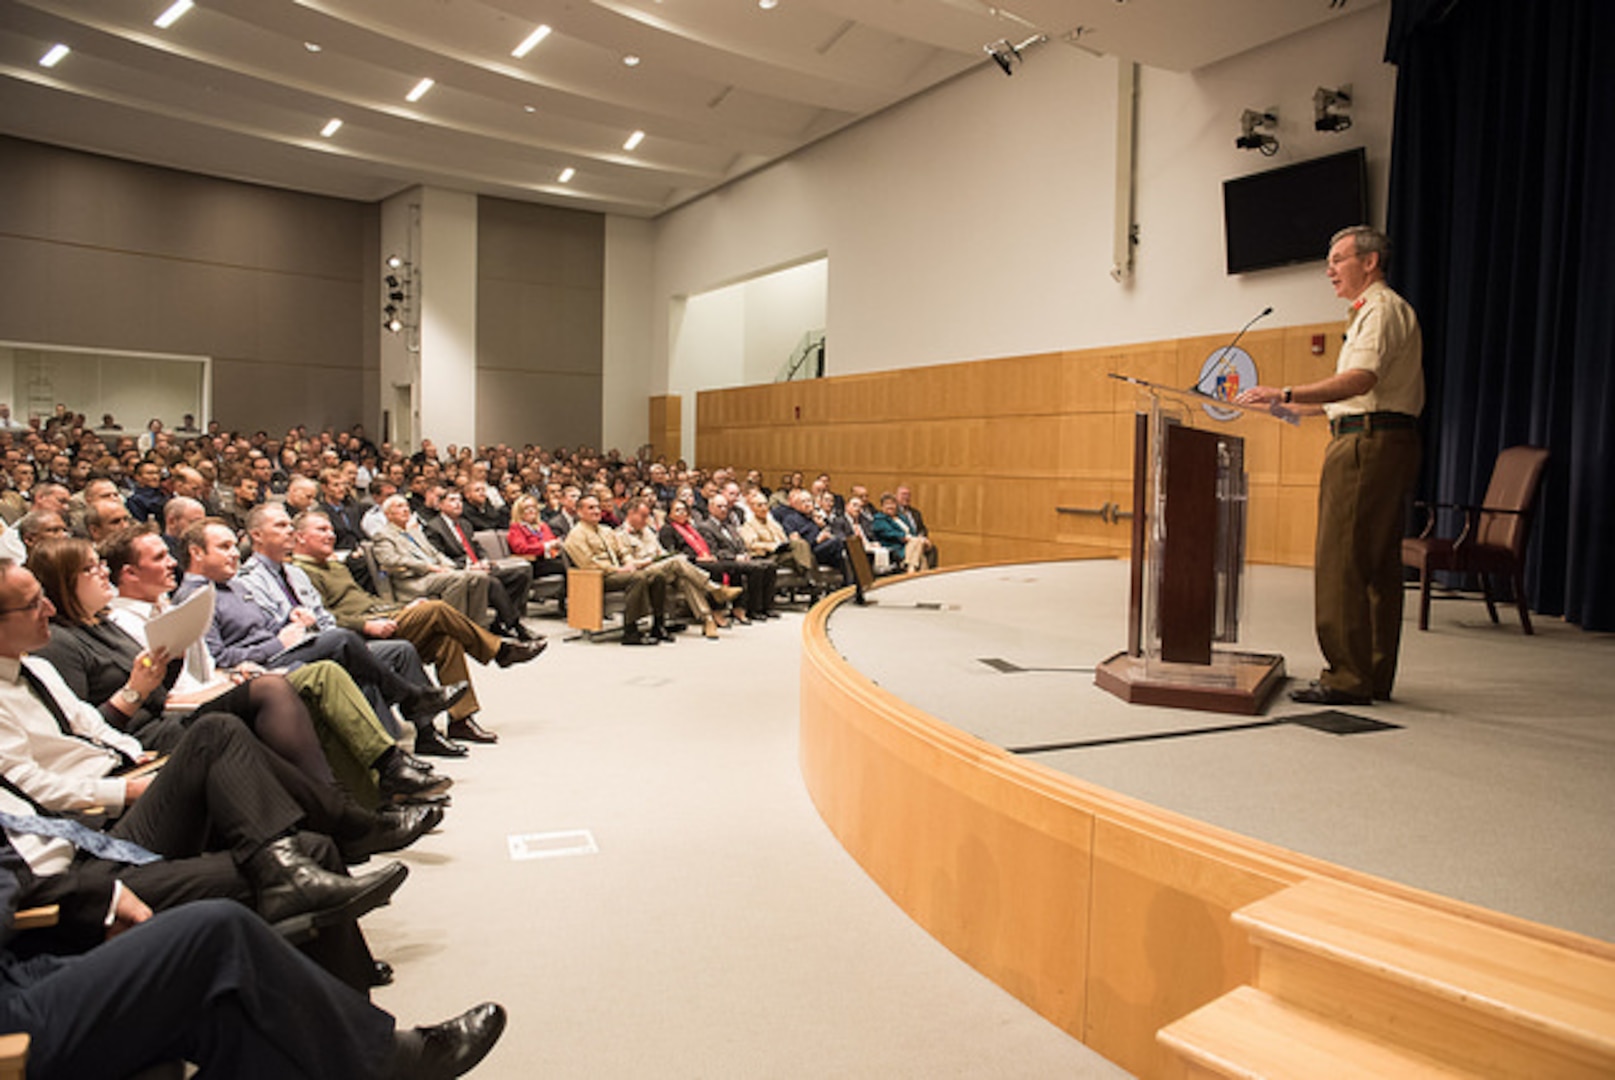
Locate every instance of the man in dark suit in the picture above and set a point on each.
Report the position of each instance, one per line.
(210, 984)
(338, 506)
(916, 522)
(512, 579)
(795, 516)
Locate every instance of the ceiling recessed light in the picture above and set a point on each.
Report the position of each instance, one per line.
(312, 46)
(529, 108)
(54, 56)
(331, 128)
(631, 60)
(567, 174)
(768, 5)
(634, 140)
(420, 90)
(171, 16)
(529, 41)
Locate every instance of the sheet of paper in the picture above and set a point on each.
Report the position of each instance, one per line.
(182, 626)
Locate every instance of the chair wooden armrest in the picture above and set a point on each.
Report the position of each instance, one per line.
(14, 1047)
(13, 1056)
(35, 918)
(585, 599)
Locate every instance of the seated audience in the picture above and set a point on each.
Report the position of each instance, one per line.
(892, 531)
(415, 567)
(915, 521)
(442, 635)
(359, 752)
(694, 585)
(591, 547)
(796, 517)
(512, 578)
(245, 630)
(717, 547)
(208, 983)
(217, 790)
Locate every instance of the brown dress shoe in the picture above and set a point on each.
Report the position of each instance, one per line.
(468, 730)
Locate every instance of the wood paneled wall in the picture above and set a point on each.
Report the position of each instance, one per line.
(667, 426)
(992, 447)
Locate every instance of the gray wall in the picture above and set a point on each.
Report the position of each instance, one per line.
(276, 286)
(540, 323)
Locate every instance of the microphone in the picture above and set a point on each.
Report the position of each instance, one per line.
(1222, 357)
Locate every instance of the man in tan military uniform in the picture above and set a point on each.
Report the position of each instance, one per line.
(1373, 402)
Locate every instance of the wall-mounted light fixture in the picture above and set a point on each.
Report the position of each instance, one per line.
(398, 314)
(1251, 138)
(1006, 56)
(1329, 108)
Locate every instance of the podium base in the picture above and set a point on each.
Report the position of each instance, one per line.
(1254, 679)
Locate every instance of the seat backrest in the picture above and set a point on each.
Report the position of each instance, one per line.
(494, 544)
(381, 585)
(1515, 479)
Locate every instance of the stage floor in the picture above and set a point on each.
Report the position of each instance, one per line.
(1496, 784)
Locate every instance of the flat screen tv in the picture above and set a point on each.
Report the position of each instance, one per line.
(1286, 216)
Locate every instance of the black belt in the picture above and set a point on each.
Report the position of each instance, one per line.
(1371, 422)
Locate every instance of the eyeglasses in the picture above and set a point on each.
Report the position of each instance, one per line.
(31, 606)
(95, 568)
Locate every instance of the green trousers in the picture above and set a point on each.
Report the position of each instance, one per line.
(349, 732)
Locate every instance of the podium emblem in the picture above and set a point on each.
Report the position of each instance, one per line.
(1224, 374)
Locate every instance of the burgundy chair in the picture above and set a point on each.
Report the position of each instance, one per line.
(1494, 534)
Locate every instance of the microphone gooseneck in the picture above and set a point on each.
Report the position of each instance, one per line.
(1222, 357)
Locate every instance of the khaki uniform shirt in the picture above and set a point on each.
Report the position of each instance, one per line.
(1382, 336)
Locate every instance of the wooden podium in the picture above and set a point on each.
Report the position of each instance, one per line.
(1188, 563)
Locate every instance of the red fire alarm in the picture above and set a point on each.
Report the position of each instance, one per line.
(1317, 344)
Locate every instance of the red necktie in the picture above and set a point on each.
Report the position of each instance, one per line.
(465, 542)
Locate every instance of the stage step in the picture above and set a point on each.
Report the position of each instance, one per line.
(1250, 1035)
(1483, 1000)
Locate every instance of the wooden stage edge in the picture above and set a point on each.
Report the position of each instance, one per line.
(1114, 919)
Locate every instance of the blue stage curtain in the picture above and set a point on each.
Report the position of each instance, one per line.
(1502, 217)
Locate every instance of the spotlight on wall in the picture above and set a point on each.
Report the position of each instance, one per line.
(1006, 56)
(394, 262)
(1252, 139)
(1329, 108)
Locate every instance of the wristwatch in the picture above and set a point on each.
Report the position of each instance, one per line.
(129, 695)
(1289, 394)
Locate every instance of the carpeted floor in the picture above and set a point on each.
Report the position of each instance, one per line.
(719, 931)
(1497, 786)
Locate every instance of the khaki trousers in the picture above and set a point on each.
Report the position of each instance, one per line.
(443, 636)
(1362, 504)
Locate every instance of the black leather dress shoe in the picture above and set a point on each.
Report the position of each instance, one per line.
(468, 730)
(431, 700)
(1318, 694)
(664, 633)
(518, 652)
(522, 633)
(297, 896)
(400, 778)
(452, 1048)
(428, 743)
(396, 828)
(634, 637)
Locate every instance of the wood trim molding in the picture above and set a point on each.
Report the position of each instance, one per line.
(1107, 915)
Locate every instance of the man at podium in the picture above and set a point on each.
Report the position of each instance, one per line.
(1373, 401)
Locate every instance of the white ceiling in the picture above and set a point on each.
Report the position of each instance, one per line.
(722, 87)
